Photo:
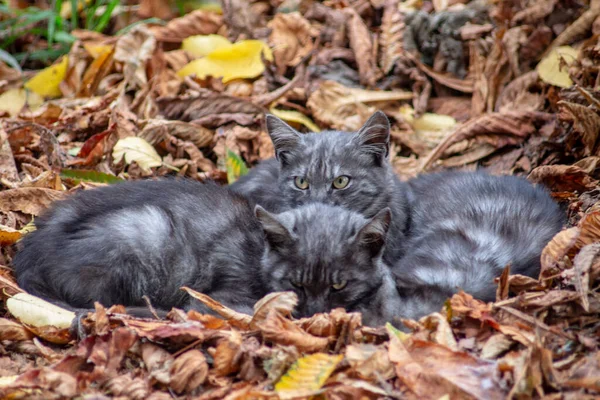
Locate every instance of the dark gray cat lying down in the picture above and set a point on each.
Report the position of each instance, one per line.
(466, 228)
(118, 243)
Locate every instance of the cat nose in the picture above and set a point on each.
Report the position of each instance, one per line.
(315, 307)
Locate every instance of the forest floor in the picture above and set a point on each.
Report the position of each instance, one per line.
(511, 86)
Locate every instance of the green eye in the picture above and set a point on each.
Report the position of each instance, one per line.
(301, 182)
(296, 284)
(339, 286)
(341, 182)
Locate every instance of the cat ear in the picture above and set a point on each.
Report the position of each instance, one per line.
(374, 136)
(277, 234)
(373, 234)
(285, 138)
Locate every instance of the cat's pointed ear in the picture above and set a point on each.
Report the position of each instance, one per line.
(285, 138)
(373, 234)
(277, 234)
(374, 136)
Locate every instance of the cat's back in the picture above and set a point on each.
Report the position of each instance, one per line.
(481, 198)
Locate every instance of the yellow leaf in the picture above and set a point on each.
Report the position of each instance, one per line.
(13, 100)
(307, 375)
(97, 50)
(295, 116)
(550, 70)
(203, 45)
(46, 82)
(34, 311)
(235, 167)
(396, 332)
(136, 149)
(427, 122)
(240, 60)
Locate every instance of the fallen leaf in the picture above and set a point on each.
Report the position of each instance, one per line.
(158, 362)
(362, 46)
(133, 148)
(345, 108)
(240, 60)
(278, 329)
(46, 82)
(235, 167)
(562, 178)
(555, 251)
(203, 45)
(29, 200)
(586, 121)
(282, 302)
(290, 38)
(295, 116)
(188, 371)
(10, 330)
(226, 359)
(307, 375)
(36, 312)
(89, 176)
(197, 22)
(235, 318)
(13, 101)
(552, 71)
(581, 268)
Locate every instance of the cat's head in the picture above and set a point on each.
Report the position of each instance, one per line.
(329, 256)
(349, 169)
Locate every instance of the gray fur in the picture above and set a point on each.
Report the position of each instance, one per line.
(321, 157)
(466, 228)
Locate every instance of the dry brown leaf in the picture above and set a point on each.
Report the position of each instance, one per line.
(369, 362)
(210, 109)
(391, 40)
(291, 39)
(28, 199)
(562, 178)
(278, 329)
(498, 129)
(11, 330)
(534, 13)
(282, 302)
(586, 121)
(555, 251)
(577, 28)
(589, 229)
(134, 50)
(581, 268)
(235, 318)
(158, 362)
(158, 130)
(226, 359)
(345, 108)
(362, 45)
(188, 371)
(197, 22)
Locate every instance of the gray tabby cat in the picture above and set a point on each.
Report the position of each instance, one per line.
(350, 170)
(118, 243)
(466, 228)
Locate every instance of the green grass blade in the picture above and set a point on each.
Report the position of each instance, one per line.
(106, 15)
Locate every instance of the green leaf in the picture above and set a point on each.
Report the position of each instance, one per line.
(235, 167)
(89, 176)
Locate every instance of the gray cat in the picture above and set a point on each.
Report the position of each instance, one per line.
(118, 243)
(351, 170)
(466, 228)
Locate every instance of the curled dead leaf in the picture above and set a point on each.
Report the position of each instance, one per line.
(362, 45)
(282, 302)
(188, 371)
(226, 359)
(555, 251)
(11, 330)
(562, 178)
(291, 39)
(158, 362)
(278, 329)
(197, 22)
(235, 318)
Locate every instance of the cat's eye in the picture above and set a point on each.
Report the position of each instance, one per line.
(296, 284)
(341, 182)
(339, 285)
(301, 182)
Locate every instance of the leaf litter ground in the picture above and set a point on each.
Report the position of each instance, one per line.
(509, 86)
